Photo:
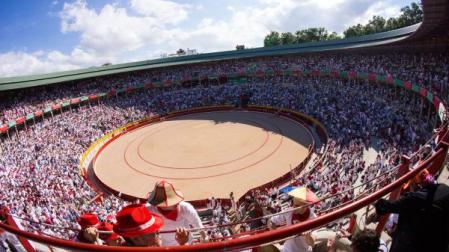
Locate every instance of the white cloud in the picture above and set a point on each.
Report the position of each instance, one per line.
(147, 28)
(163, 11)
(16, 63)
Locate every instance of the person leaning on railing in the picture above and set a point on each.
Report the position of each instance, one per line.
(423, 223)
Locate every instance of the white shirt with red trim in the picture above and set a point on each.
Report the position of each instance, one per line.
(187, 218)
(297, 244)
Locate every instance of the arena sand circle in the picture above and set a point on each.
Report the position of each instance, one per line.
(204, 154)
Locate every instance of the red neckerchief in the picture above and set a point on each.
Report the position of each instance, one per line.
(296, 218)
(169, 214)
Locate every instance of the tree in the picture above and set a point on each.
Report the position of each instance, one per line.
(412, 14)
(287, 38)
(354, 31)
(409, 15)
(313, 35)
(272, 39)
(333, 36)
(375, 25)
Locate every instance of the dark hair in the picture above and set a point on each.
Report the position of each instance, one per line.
(366, 241)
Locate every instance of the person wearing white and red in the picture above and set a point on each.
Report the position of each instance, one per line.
(301, 196)
(169, 203)
(139, 227)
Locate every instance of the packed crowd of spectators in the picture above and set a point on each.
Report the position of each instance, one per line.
(426, 69)
(39, 173)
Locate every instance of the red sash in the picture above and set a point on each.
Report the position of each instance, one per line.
(297, 218)
(169, 214)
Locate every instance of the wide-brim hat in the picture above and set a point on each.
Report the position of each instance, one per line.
(136, 220)
(164, 194)
(304, 195)
(88, 220)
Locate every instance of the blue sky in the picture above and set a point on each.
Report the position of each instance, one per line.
(54, 35)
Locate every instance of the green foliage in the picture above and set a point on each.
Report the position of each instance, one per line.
(287, 38)
(409, 15)
(272, 39)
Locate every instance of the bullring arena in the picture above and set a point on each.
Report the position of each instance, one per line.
(204, 153)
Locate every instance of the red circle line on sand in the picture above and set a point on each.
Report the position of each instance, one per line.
(210, 176)
(267, 137)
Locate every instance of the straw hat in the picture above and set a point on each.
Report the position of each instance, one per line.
(303, 195)
(165, 195)
(136, 220)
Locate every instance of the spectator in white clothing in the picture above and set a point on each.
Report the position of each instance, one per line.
(169, 203)
(301, 197)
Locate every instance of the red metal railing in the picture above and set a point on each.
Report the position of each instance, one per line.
(436, 160)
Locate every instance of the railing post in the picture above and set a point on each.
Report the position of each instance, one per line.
(394, 195)
(9, 220)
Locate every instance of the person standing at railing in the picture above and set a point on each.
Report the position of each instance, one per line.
(423, 223)
(300, 197)
(169, 203)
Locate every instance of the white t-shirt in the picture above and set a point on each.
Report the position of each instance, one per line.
(187, 216)
(297, 244)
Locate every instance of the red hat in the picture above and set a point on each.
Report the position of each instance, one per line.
(88, 220)
(165, 195)
(106, 226)
(135, 220)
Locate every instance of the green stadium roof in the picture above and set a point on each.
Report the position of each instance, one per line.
(349, 43)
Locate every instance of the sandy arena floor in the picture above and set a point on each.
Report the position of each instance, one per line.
(204, 155)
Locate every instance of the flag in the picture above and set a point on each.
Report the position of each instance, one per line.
(430, 96)
(390, 79)
(30, 116)
(352, 74)
(3, 128)
(20, 120)
(75, 101)
(422, 92)
(38, 113)
(93, 97)
(408, 85)
(111, 93)
(398, 82)
(56, 106)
